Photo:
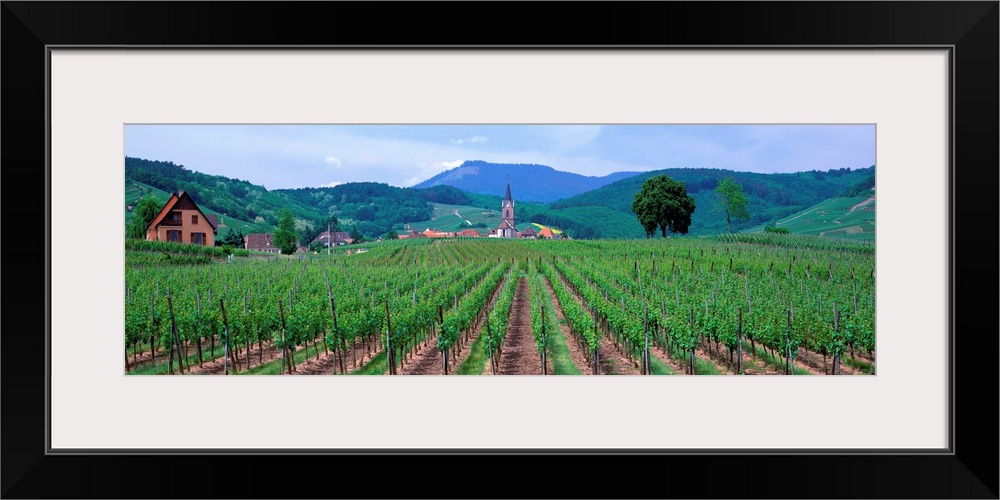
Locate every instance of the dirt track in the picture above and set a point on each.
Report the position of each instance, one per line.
(520, 354)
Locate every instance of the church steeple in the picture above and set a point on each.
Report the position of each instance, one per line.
(507, 228)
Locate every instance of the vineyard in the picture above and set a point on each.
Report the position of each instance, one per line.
(739, 304)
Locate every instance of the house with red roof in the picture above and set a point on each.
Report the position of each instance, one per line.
(339, 238)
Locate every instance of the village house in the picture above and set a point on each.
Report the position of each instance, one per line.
(340, 238)
(528, 232)
(409, 233)
(261, 242)
(430, 233)
(546, 233)
(180, 220)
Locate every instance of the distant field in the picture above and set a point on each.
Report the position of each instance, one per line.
(446, 220)
(843, 218)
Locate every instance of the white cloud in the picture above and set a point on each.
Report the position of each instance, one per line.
(452, 164)
(411, 181)
(332, 184)
(476, 139)
(333, 161)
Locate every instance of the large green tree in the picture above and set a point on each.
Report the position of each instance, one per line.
(285, 237)
(145, 211)
(732, 201)
(663, 203)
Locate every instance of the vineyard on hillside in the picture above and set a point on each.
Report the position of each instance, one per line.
(739, 304)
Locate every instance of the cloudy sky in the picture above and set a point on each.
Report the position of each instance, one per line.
(292, 156)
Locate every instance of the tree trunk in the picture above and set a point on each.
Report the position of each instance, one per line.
(199, 351)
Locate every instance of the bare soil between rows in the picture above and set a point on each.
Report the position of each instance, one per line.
(428, 359)
(520, 353)
(355, 355)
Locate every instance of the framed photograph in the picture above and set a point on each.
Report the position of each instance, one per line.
(88, 108)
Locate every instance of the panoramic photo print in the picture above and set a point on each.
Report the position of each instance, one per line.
(499, 250)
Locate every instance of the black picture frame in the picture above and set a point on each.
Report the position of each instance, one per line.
(969, 470)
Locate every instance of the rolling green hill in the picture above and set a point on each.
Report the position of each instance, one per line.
(135, 190)
(771, 197)
(374, 208)
(450, 218)
(371, 208)
(849, 218)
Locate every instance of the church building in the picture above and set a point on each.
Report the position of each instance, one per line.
(507, 228)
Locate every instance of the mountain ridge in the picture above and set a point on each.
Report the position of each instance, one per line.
(530, 182)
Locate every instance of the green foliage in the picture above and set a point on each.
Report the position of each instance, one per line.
(391, 235)
(601, 213)
(834, 218)
(446, 195)
(373, 207)
(233, 238)
(382, 205)
(144, 213)
(770, 197)
(863, 187)
(777, 230)
(663, 202)
(285, 237)
(732, 201)
(791, 291)
(356, 236)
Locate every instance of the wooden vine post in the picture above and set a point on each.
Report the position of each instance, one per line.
(836, 335)
(281, 311)
(739, 343)
(152, 321)
(246, 335)
(198, 298)
(691, 354)
(338, 338)
(789, 366)
(225, 332)
(389, 357)
(645, 342)
(489, 338)
(444, 351)
(174, 339)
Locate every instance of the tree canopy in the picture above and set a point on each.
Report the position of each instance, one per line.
(732, 201)
(663, 203)
(285, 237)
(356, 235)
(233, 238)
(145, 212)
